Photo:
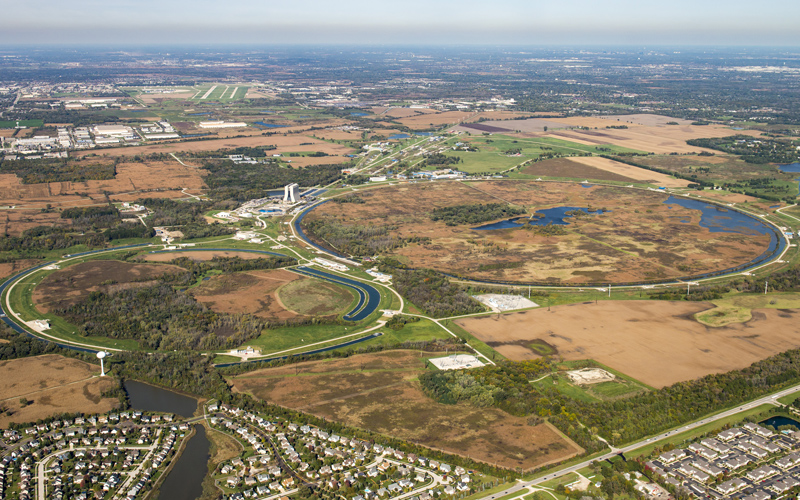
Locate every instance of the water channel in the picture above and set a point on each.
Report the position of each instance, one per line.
(184, 481)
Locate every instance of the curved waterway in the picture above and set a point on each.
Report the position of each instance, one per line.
(185, 479)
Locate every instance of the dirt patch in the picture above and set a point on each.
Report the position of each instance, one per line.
(656, 342)
(53, 384)
(251, 292)
(71, 285)
(377, 392)
(563, 167)
(9, 268)
(202, 255)
(635, 173)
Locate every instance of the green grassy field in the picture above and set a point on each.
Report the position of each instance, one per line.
(317, 298)
(473, 342)
(492, 156)
(736, 308)
(22, 123)
(572, 391)
(21, 300)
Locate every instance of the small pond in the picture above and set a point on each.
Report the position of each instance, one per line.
(556, 215)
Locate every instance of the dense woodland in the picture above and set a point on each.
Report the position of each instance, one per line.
(474, 213)
(160, 317)
(507, 386)
(355, 239)
(752, 150)
(38, 171)
(229, 181)
(434, 293)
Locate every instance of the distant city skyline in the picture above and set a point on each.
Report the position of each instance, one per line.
(502, 22)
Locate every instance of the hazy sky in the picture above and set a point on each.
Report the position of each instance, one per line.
(637, 22)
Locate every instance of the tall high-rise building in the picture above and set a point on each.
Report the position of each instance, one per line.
(291, 193)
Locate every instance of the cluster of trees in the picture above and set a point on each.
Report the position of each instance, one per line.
(162, 318)
(762, 150)
(442, 159)
(398, 321)
(698, 293)
(506, 386)
(351, 198)
(356, 239)
(434, 293)
(245, 182)
(58, 170)
(474, 213)
(253, 152)
(197, 269)
(40, 238)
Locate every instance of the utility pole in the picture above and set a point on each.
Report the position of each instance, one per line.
(766, 285)
(609, 290)
(688, 284)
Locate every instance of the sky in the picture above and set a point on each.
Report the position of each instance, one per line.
(371, 22)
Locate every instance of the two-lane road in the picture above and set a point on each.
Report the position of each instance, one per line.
(768, 399)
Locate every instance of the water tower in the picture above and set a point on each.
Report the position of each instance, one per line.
(100, 356)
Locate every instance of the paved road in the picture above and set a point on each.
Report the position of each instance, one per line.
(769, 399)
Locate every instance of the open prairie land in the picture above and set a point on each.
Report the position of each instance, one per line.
(656, 342)
(426, 120)
(276, 295)
(568, 167)
(200, 255)
(9, 268)
(133, 180)
(637, 238)
(635, 173)
(379, 392)
(53, 385)
(17, 221)
(70, 285)
(644, 133)
(294, 143)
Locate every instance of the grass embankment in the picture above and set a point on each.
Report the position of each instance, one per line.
(737, 308)
(21, 300)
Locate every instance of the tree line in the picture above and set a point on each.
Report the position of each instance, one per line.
(474, 213)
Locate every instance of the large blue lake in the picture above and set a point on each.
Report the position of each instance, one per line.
(557, 216)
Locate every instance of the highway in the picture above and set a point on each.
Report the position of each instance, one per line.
(768, 399)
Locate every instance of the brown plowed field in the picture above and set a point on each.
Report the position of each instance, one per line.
(638, 238)
(635, 173)
(70, 285)
(377, 392)
(564, 167)
(201, 255)
(645, 132)
(656, 342)
(54, 385)
(284, 144)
